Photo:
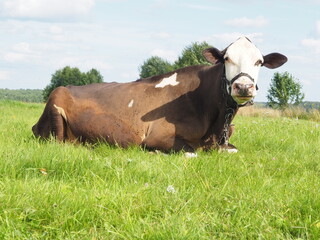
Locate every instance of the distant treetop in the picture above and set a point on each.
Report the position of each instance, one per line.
(71, 76)
(284, 91)
(191, 55)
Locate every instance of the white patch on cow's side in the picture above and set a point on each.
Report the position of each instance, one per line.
(130, 103)
(191, 155)
(61, 111)
(169, 81)
(143, 137)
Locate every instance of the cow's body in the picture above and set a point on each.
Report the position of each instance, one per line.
(183, 110)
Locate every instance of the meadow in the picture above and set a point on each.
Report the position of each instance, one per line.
(270, 189)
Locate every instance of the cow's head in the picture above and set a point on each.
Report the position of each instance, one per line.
(242, 62)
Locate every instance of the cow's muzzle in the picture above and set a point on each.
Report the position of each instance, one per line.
(243, 91)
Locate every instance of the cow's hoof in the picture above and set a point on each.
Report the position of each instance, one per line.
(229, 149)
(191, 155)
(160, 153)
(232, 150)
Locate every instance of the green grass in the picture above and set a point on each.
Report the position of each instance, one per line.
(269, 190)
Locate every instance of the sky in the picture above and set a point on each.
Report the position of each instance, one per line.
(39, 37)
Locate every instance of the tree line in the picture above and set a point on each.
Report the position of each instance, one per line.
(284, 89)
(23, 95)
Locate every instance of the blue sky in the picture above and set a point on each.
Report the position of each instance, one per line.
(39, 37)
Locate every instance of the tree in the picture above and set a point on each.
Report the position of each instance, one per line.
(191, 55)
(93, 76)
(154, 66)
(284, 91)
(71, 76)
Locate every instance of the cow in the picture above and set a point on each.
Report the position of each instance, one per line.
(188, 109)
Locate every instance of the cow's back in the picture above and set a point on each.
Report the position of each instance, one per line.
(127, 113)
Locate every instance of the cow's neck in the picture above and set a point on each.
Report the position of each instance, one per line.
(215, 86)
(230, 103)
(221, 106)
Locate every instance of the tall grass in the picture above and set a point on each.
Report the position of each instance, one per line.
(269, 190)
(292, 112)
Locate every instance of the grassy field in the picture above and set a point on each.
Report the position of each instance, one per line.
(269, 190)
(293, 112)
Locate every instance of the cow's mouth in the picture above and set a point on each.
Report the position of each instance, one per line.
(242, 99)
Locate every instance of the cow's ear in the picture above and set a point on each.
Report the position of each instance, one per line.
(274, 60)
(213, 55)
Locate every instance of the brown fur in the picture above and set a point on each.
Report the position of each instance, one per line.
(170, 118)
(186, 116)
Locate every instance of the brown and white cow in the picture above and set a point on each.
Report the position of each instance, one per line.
(186, 109)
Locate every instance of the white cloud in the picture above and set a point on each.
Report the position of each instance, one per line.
(312, 43)
(22, 47)
(21, 52)
(14, 57)
(4, 75)
(84, 63)
(161, 35)
(310, 1)
(45, 8)
(56, 29)
(165, 54)
(247, 22)
(224, 39)
(203, 7)
(130, 75)
(160, 3)
(318, 27)
(306, 82)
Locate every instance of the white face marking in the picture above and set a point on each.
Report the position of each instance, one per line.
(130, 103)
(172, 80)
(243, 56)
(61, 111)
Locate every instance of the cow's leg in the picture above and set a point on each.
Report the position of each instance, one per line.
(58, 123)
(54, 117)
(181, 144)
(52, 121)
(161, 135)
(231, 130)
(42, 127)
(217, 136)
(166, 143)
(225, 146)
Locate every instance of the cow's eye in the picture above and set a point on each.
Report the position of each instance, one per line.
(227, 59)
(258, 63)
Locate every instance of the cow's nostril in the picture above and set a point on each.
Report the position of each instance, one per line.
(241, 86)
(238, 86)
